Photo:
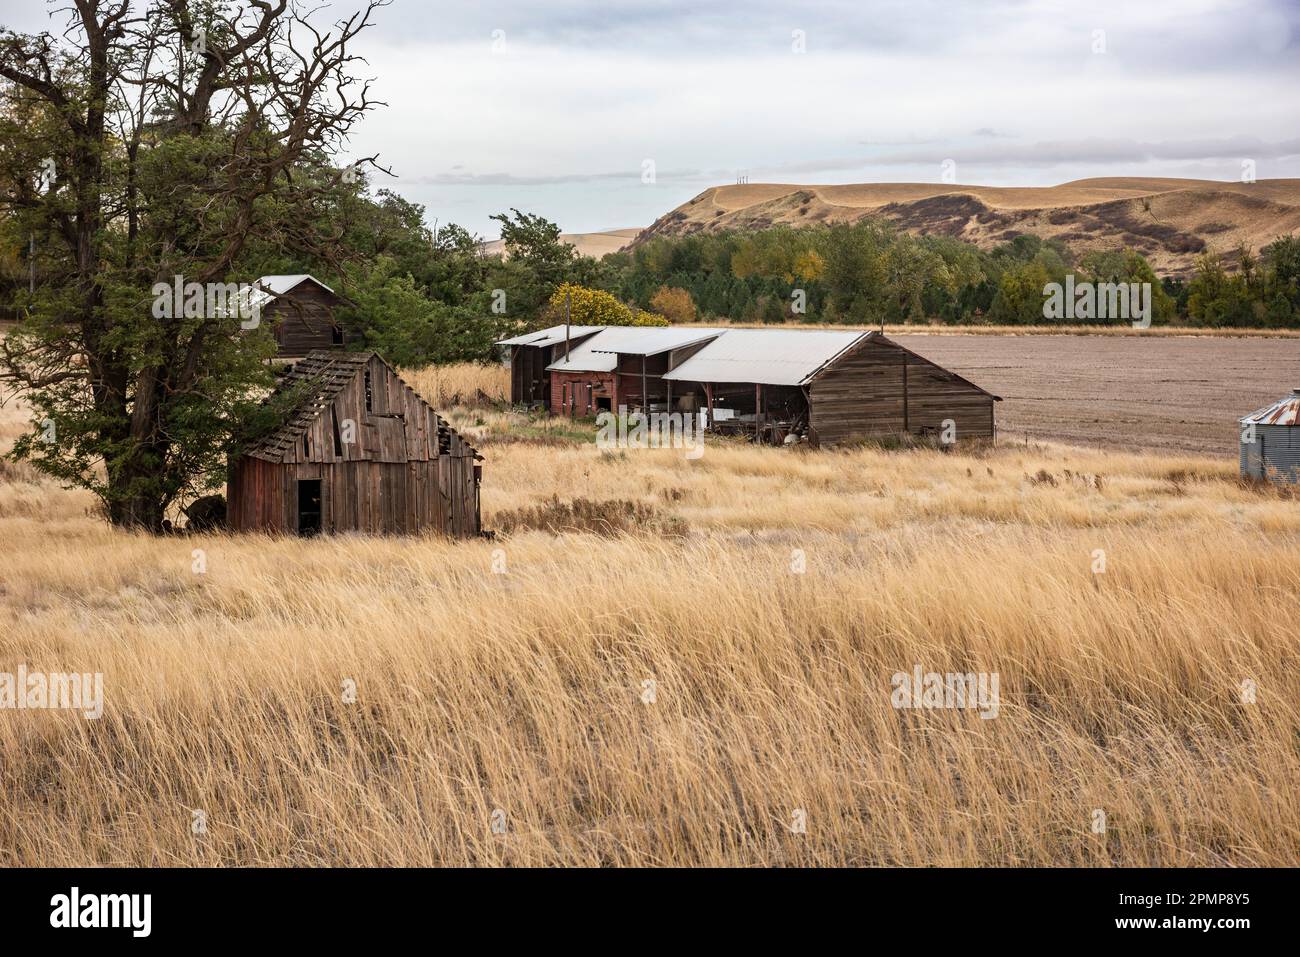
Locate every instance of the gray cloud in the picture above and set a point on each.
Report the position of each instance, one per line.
(1094, 150)
(887, 89)
(512, 179)
(1097, 150)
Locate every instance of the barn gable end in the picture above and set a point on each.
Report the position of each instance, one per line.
(385, 461)
(879, 388)
(300, 311)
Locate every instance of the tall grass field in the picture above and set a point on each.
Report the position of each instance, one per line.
(668, 661)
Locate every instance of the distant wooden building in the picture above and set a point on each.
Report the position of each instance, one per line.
(300, 312)
(358, 451)
(617, 366)
(830, 386)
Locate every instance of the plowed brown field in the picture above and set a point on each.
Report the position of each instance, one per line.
(1167, 394)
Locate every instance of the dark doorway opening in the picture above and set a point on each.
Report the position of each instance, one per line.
(309, 506)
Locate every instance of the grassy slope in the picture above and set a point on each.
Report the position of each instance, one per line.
(1168, 220)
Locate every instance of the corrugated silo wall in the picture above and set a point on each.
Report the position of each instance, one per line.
(1276, 449)
(1251, 466)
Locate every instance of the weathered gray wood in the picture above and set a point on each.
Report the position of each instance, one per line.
(407, 470)
(878, 389)
(303, 320)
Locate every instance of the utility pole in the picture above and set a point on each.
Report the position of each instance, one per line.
(568, 297)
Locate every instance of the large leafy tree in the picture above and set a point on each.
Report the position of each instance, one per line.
(535, 242)
(141, 146)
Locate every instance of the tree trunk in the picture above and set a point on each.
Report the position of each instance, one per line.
(137, 512)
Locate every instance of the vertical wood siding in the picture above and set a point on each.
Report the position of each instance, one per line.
(879, 389)
(407, 471)
(580, 390)
(306, 323)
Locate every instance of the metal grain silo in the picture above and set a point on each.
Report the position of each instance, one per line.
(1270, 441)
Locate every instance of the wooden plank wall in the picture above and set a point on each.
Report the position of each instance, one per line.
(304, 324)
(528, 375)
(628, 379)
(256, 497)
(861, 396)
(584, 389)
(407, 471)
(518, 377)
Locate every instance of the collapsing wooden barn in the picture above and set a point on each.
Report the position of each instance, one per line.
(825, 386)
(358, 451)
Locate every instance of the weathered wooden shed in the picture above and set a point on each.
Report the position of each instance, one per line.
(877, 387)
(358, 451)
(528, 356)
(827, 385)
(300, 312)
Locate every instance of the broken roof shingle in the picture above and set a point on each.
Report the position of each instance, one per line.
(322, 375)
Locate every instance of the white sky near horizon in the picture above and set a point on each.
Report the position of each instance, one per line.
(558, 112)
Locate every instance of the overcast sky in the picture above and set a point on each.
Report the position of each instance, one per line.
(556, 107)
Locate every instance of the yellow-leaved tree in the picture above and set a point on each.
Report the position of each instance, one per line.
(595, 307)
(676, 304)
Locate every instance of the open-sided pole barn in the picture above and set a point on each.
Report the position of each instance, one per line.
(622, 366)
(359, 451)
(829, 386)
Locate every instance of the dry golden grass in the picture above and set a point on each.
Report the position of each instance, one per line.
(1082, 192)
(465, 384)
(524, 690)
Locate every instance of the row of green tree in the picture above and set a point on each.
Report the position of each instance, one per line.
(431, 295)
(869, 273)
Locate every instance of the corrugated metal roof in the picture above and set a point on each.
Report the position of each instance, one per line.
(584, 358)
(655, 340)
(279, 285)
(575, 332)
(1284, 411)
(549, 336)
(767, 356)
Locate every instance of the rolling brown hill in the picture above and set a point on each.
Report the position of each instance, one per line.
(587, 244)
(1168, 220)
